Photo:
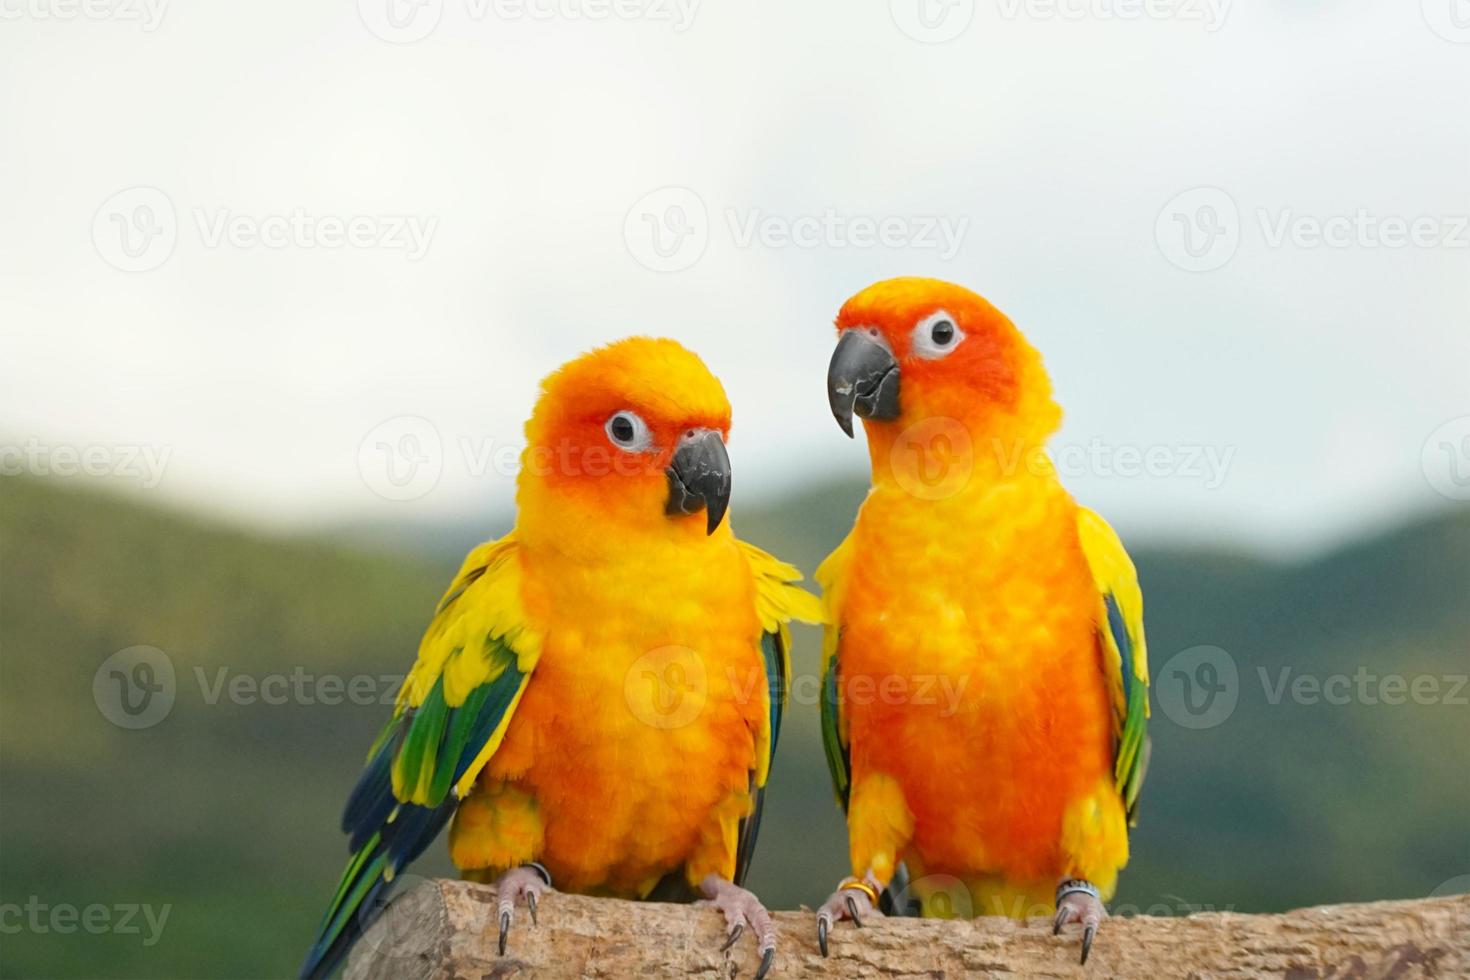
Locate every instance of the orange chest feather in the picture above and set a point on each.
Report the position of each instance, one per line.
(979, 616)
(643, 715)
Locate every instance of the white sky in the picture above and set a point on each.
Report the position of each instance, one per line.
(1054, 142)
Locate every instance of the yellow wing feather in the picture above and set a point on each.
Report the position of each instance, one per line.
(778, 601)
(479, 630)
(1120, 624)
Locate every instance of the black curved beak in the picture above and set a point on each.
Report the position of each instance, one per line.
(862, 379)
(699, 476)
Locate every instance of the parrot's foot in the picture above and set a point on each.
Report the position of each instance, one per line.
(742, 909)
(1078, 901)
(853, 899)
(526, 882)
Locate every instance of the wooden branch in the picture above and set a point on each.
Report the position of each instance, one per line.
(445, 930)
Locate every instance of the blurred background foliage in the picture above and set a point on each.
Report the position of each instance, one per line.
(227, 811)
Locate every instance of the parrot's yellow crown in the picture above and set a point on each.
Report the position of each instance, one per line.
(659, 378)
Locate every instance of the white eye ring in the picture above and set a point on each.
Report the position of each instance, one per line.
(926, 345)
(627, 431)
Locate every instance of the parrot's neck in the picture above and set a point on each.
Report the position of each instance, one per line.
(610, 531)
(940, 458)
(586, 564)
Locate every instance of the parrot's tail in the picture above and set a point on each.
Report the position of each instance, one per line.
(386, 835)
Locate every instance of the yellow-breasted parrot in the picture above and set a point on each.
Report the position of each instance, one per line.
(597, 699)
(971, 573)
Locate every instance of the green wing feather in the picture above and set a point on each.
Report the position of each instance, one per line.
(832, 577)
(473, 665)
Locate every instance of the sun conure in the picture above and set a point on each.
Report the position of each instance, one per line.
(596, 701)
(971, 569)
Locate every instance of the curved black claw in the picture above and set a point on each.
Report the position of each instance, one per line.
(1078, 901)
(850, 901)
(767, 958)
(531, 904)
(504, 929)
(734, 938)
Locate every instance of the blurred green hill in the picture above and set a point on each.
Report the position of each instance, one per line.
(226, 810)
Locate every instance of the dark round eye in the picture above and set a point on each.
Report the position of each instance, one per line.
(628, 431)
(935, 336)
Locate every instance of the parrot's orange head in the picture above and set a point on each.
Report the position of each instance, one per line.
(911, 350)
(629, 435)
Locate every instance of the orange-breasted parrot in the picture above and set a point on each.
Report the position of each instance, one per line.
(985, 677)
(596, 701)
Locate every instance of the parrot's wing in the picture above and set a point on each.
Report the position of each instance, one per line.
(452, 712)
(832, 577)
(1125, 654)
(778, 600)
